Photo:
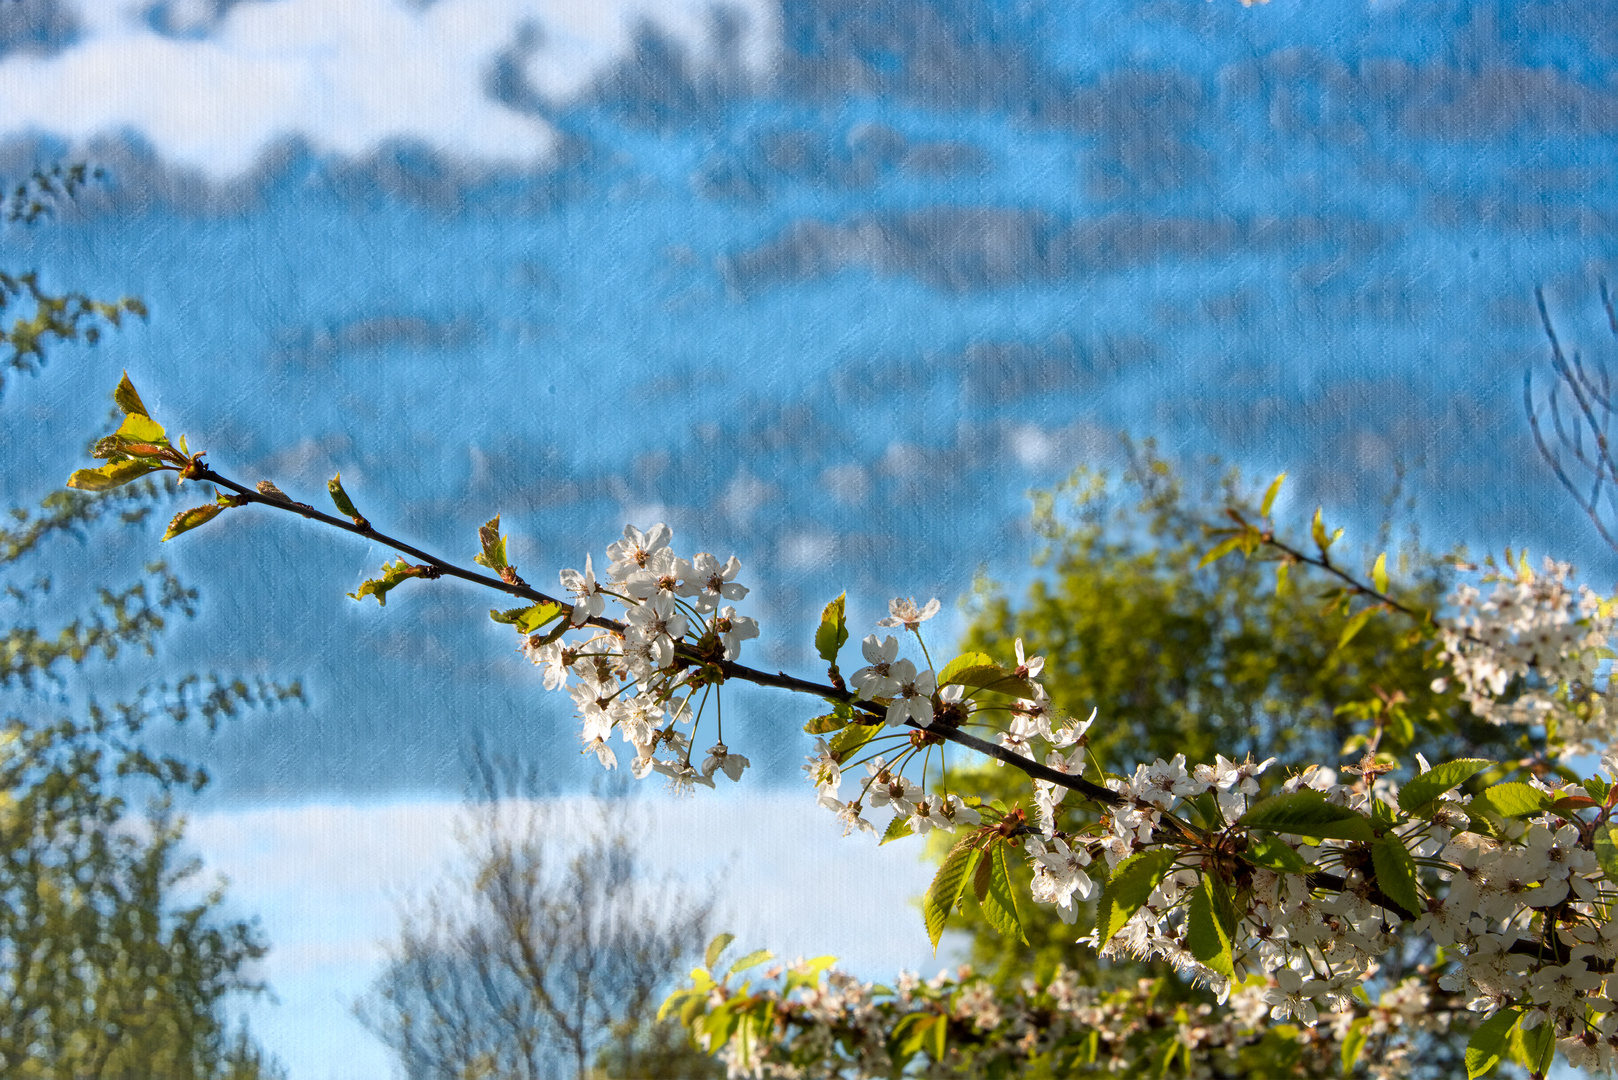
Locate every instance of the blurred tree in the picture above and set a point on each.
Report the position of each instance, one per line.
(526, 969)
(115, 962)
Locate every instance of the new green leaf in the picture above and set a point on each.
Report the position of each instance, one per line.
(846, 743)
(1396, 874)
(1354, 1042)
(392, 575)
(948, 884)
(1210, 923)
(833, 630)
(1355, 625)
(186, 520)
(344, 504)
(493, 554)
(1423, 789)
(825, 725)
(127, 399)
(978, 671)
(139, 428)
(1514, 799)
(1221, 549)
(998, 902)
(1270, 493)
(529, 619)
(1275, 854)
(1307, 813)
(715, 947)
(1129, 888)
(1607, 852)
(107, 477)
(752, 959)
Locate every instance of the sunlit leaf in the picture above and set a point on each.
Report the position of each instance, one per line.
(186, 520)
(832, 631)
(107, 477)
(392, 575)
(1307, 813)
(1270, 493)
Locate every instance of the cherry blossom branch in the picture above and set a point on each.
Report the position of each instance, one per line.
(439, 567)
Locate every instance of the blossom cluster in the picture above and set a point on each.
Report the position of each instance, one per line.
(648, 676)
(914, 698)
(1528, 652)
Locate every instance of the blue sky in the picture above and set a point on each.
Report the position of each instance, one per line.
(828, 284)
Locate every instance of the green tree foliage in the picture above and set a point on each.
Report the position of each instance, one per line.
(1179, 656)
(103, 971)
(116, 961)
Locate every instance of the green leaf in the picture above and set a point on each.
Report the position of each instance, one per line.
(493, 554)
(915, 1032)
(1534, 1049)
(1607, 852)
(1307, 813)
(107, 477)
(825, 725)
(898, 827)
(847, 742)
(715, 947)
(1275, 854)
(1210, 924)
(1423, 789)
(833, 630)
(1354, 1042)
(981, 875)
(937, 1039)
(529, 619)
(948, 884)
(1396, 874)
(1317, 531)
(1270, 493)
(1223, 548)
(1283, 570)
(127, 399)
(807, 973)
(392, 575)
(186, 520)
(999, 902)
(977, 671)
(674, 1001)
(340, 499)
(140, 428)
(1379, 574)
(751, 960)
(964, 662)
(1355, 625)
(1514, 799)
(1129, 888)
(1488, 1043)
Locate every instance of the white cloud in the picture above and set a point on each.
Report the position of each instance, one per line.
(347, 75)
